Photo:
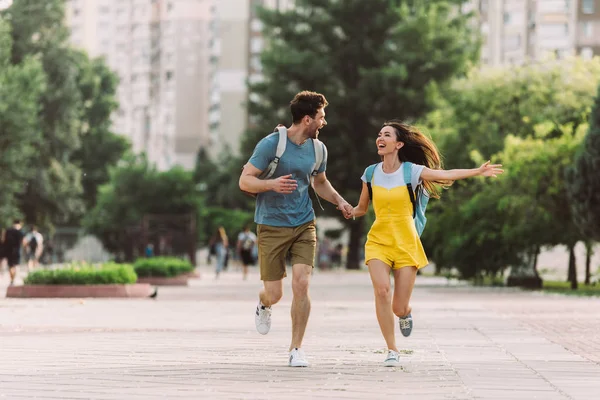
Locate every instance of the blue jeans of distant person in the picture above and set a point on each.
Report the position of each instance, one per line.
(221, 254)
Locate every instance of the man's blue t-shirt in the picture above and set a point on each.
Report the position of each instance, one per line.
(287, 210)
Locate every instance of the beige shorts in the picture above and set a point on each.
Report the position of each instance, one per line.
(274, 242)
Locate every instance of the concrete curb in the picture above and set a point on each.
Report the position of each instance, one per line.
(136, 290)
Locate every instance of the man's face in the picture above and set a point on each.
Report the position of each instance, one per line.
(316, 123)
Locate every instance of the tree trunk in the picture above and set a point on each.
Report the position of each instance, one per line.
(572, 267)
(589, 250)
(354, 246)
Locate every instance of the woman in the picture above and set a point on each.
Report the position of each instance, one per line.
(221, 248)
(393, 242)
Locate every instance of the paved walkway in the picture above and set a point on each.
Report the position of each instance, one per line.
(199, 342)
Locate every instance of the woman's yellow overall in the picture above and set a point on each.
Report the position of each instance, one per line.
(393, 238)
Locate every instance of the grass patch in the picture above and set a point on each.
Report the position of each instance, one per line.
(84, 274)
(164, 267)
(565, 288)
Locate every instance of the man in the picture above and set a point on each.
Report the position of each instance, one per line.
(13, 242)
(245, 247)
(285, 215)
(34, 246)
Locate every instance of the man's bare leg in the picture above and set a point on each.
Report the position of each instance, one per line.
(300, 303)
(272, 292)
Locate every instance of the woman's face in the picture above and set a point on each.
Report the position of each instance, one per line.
(387, 141)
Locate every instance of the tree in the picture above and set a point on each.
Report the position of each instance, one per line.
(21, 88)
(136, 189)
(100, 147)
(53, 194)
(470, 124)
(372, 66)
(584, 179)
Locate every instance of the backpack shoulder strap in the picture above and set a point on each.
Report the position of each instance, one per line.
(282, 142)
(270, 170)
(320, 155)
(407, 169)
(369, 176)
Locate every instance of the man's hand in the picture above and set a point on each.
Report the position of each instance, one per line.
(346, 209)
(284, 184)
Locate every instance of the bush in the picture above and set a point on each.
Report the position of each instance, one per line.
(162, 267)
(83, 274)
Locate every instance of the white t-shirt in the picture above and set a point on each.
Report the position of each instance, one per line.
(247, 240)
(38, 238)
(396, 178)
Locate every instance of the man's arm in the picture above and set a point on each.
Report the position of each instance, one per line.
(250, 183)
(324, 190)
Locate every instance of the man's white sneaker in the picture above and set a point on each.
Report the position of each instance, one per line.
(392, 360)
(262, 318)
(297, 358)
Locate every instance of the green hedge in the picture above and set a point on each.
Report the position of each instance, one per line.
(84, 274)
(161, 267)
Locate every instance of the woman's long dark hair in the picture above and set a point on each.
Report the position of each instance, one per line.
(419, 149)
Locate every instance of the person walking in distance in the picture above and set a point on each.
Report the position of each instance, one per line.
(285, 215)
(410, 164)
(34, 246)
(221, 243)
(13, 242)
(245, 247)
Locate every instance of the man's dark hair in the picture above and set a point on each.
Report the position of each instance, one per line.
(306, 103)
(16, 221)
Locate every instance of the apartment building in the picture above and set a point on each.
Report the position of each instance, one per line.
(160, 51)
(520, 31)
(587, 36)
(235, 61)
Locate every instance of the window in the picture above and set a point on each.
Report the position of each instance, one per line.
(256, 45)
(587, 6)
(257, 25)
(169, 75)
(553, 30)
(553, 6)
(587, 29)
(512, 43)
(104, 10)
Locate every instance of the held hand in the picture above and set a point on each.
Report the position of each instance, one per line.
(492, 170)
(346, 209)
(284, 184)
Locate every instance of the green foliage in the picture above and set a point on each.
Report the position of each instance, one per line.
(82, 274)
(561, 287)
(21, 88)
(162, 267)
(100, 147)
(136, 188)
(532, 118)
(53, 193)
(218, 181)
(584, 179)
(233, 221)
(371, 66)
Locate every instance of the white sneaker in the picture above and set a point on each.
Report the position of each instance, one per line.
(262, 318)
(298, 358)
(392, 360)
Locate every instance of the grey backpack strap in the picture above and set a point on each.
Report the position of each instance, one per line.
(320, 155)
(282, 142)
(270, 170)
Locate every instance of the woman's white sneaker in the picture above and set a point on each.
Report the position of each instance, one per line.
(298, 358)
(392, 359)
(262, 318)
